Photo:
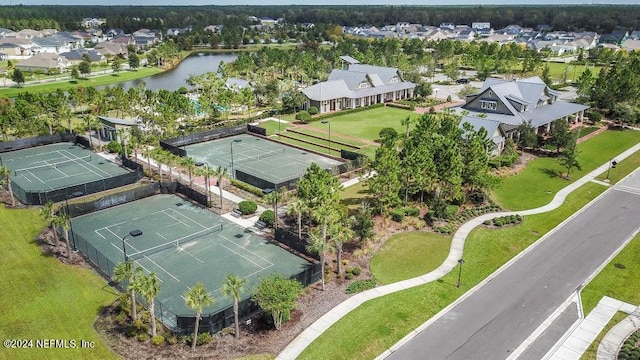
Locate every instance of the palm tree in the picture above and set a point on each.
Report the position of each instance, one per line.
(340, 233)
(190, 164)
(64, 220)
(126, 272)
(222, 173)
(297, 208)
(149, 287)
(196, 299)
(324, 215)
(234, 286)
(47, 213)
(319, 246)
(5, 172)
(95, 124)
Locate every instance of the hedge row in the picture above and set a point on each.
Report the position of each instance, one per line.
(361, 285)
(246, 187)
(344, 112)
(398, 214)
(465, 215)
(504, 220)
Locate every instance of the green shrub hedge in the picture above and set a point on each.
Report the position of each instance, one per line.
(397, 214)
(247, 207)
(246, 187)
(268, 217)
(361, 285)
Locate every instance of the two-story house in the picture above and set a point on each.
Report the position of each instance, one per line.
(512, 103)
(359, 85)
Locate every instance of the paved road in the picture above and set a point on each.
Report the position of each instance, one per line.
(493, 321)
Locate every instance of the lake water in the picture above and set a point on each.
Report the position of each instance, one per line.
(172, 80)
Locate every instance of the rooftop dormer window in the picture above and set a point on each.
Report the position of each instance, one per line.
(394, 80)
(363, 85)
(488, 105)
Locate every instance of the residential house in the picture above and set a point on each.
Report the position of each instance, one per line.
(236, 84)
(216, 29)
(447, 26)
(511, 30)
(512, 103)
(17, 47)
(50, 45)
(110, 49)
(544, 28)
(44, 62)
(480, 25)
(93, 22)
(124, 40)
(10, 49)
(631, 45)
(616, 37)
(114, 33)
(76, 56)
(29, 34)
(635, 35)
(360, 85)
(6, 32)
(495, 131)
(3, 56)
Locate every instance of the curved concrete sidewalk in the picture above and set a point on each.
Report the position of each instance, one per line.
(304, 339)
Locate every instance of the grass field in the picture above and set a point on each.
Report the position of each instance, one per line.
(409, 254)
(354, 195)
(373, 327)
(556, 70)
(619, 282)
(272, 126)
(367, 124)
(44, 299)
(592, 351)
(542, 177)
(106, 79)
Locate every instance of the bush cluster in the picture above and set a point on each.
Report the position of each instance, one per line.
(303, 116)
(157, 340)
(503, 160)
(114, 147)
(203, 338)
(398, 214)
(247, 207)
(361, 285)
(630, 350)
(248, 188)
(268, 217)
(402, 106)
(352, 272)
(136, 329)
(506, 220)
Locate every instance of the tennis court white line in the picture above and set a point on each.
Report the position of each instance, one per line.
(97, 232)
(188, 218)
(190, 254)
(142, 266)
(249, 251)
(130, 220)
(161, 268)
(174, 218)
(244, 257)
(90, 163)
(37, 178)
(79, 163)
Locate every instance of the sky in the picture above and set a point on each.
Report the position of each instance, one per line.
(314, 2)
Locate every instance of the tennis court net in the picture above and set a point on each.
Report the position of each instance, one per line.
(259, 156)
(177, 243)
(53, 165)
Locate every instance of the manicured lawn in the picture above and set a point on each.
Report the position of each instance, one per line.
(272, 126)
(617, 282)
(44, 299)
(623, 168)
(334, 137)
(587, 130)
(376, 325)
(353, 196)
(592, 351)
(318, 149)
(92, 81)
(556, 70)
(409, 254)
(367, 124)
(543, 177)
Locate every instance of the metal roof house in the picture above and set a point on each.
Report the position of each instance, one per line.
(360, 85)
(511, 103)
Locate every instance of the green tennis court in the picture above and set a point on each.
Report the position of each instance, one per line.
(57, 166)
(182, 244)
(273, 162)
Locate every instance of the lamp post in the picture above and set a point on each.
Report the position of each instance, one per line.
(233, 173)
(132, 233)
(612, 164)
(183, 144)
(206, 178)
(436, 95)
(328, 122)
(460, 261)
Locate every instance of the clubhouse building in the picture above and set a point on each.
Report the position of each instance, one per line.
(357, 86)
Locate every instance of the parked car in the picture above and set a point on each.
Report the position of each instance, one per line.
(462, 81)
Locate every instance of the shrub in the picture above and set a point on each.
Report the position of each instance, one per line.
(121, 318)
(412, 211)
(361, 285)
(449, 98)
(595, 116)
(397, 215)
(349, 276)
(114, 147)
(136, 328)
(303, 116)
(247, 207)
(172, 340)
(204, 338)
(142, 337)
(268, 217)
(248, 188)
(313, 110)
(498, 223)
(356, 270)
(450, 211)
(157, 340)
(487, 222)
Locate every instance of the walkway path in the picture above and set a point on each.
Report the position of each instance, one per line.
(295, 348)
(588, 329)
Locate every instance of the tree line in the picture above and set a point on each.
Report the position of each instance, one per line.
(600, 18)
